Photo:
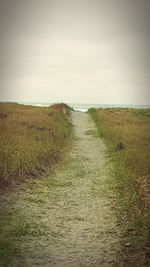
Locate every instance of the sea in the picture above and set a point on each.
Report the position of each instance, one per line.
(83, 107)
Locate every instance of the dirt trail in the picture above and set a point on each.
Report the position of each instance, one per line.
(67, 220)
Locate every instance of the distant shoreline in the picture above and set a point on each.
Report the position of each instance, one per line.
(83, 107)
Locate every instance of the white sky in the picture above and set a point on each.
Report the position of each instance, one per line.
(87, 51)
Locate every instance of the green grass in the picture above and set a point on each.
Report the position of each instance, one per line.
(25, 228)
(7, 252)
(126, 132)
(32, 140)
(92, 133)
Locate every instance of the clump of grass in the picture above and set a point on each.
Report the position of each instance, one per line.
(7, 252)
(32, 139)
(126, 133)
(24, 228)
(93, 133)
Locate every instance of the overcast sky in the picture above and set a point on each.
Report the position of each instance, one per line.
(87, 51)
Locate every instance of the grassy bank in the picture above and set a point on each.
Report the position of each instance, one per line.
(32, 139)
(126, 133)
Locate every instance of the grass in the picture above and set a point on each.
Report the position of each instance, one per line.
(126, 133)
(7, 252)
(92, 133)
(26, 228)
(32, 139)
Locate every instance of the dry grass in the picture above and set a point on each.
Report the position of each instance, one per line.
(127, 135)
(32, 139)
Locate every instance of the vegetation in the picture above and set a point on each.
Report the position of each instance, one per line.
(126, 133)
(32, 139)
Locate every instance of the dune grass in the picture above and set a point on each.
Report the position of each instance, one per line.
(126, 133)
(32, 139)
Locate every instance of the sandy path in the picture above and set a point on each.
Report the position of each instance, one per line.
(67, 220)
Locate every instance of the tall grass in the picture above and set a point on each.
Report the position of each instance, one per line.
(126, 133)
(32, 139)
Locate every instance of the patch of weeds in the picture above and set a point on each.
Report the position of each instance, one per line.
(7, 252)
(57, 183)
(23, 228)
(80, 173)
(92, 133)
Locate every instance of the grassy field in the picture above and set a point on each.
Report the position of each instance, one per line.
(32, 139)
(126, 133)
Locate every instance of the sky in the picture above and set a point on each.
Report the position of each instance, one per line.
(75, 51)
